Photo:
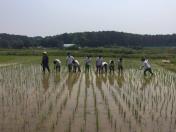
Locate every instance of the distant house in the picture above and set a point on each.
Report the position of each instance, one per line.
(166, 61)
(69, 45)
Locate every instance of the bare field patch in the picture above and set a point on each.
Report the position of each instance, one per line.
(86, 102)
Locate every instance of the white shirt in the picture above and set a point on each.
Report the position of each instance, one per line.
(70, 59)
(88, 61)
(58, 62)
(146, 64)
(76, 63)
(99, 61)
(104, 63)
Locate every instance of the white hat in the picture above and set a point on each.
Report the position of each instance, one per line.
(44, 52)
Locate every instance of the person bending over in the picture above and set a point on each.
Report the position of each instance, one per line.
(146, 66)
(104, 67)
(57, 65)
(76, 66)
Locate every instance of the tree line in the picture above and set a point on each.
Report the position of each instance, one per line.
(89, 39)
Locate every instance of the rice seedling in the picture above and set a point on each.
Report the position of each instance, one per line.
(31, 101)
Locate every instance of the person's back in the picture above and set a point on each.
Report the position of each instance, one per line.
(104, 63)
(76, 65)
(104, 66)
(57, 62)
(57, 65)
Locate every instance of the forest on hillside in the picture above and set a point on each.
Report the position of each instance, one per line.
(89, 39)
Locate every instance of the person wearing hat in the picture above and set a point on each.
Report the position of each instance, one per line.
(57, 65)
(69, 61)
(45, 61)
(146, 66)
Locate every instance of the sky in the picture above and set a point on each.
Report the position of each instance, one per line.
(52, 17)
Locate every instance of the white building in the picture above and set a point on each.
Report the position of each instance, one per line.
(69, 45)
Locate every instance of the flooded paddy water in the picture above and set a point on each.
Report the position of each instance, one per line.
(86, 102)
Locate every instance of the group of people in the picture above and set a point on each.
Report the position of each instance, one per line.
(101, 65)
(73, 65)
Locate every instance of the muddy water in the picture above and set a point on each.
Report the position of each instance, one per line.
(33, 102)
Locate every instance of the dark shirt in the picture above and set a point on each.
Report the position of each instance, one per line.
(45, 60)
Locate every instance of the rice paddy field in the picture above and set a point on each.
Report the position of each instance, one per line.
(31, 101)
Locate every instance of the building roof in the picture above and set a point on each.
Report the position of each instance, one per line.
(68, 45)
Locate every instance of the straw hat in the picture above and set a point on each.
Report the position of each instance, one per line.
(44, 52)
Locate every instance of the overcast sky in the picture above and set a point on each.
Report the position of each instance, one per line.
(51, 17)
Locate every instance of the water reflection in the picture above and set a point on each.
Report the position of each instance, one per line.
(87, 80)
(120, 80)
(105, 78)
(57, 78)
(111, 79)
(126, 109)
(71, 80)
(99, 80)
(45, 81)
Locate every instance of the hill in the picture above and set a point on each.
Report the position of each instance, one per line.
(89, 39)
